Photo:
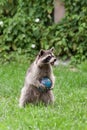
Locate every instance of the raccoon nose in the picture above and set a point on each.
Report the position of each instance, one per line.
(54, 59)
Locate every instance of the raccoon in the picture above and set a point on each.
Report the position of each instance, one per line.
(41, 67)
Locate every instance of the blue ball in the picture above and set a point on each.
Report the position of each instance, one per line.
(46, 82)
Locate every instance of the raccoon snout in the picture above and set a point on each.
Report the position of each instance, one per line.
(55, 60)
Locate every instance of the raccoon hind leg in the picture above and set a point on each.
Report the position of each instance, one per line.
(28, 95)
(47, 98)
(24, 97)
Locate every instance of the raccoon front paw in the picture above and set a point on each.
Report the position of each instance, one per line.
(42, 87)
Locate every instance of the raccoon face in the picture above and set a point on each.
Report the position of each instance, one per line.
(46, 57)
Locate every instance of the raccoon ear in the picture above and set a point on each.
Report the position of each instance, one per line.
(41, 52)
(52, 49)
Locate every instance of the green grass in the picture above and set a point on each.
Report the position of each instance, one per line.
(69, 111)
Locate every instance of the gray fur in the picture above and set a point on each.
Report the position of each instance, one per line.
(38, 70)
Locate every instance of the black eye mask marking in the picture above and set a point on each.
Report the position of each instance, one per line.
(47, 59)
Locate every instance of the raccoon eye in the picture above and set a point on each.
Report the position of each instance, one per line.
(49, 57)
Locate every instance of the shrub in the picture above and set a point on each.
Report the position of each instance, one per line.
(28, 26)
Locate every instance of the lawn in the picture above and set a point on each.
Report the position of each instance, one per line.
(69, 111)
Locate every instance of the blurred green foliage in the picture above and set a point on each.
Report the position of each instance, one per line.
(26, 26)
